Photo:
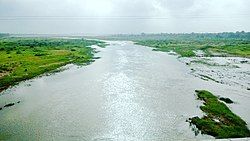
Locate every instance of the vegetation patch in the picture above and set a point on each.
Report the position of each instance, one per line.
(219, 120)
(25, 58)
(221, 44)
(186, 48)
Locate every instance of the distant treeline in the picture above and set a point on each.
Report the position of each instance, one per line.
(3, 34)
(181, 36)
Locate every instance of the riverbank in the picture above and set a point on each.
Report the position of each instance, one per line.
(201, 47)
(25, 58)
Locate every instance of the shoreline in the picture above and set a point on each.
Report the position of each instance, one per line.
(48, 55)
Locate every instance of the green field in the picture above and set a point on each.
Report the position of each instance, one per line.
(25, 58)
(219, 120)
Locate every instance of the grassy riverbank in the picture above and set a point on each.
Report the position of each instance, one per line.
(25, 58)
(208, 47)
(219, 120)
(188, 45)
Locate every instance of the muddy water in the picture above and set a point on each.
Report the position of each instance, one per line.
(131, 93)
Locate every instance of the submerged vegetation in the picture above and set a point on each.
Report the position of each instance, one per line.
(25, 58)
(219, 120)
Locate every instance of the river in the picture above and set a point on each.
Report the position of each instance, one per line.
(130, 93)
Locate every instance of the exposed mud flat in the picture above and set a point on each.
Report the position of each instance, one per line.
(232, 71)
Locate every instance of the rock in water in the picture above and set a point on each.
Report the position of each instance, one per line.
(9, 105)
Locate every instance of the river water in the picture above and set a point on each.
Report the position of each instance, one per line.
(130, 93)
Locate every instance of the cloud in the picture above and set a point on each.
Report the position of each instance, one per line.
(123, 16)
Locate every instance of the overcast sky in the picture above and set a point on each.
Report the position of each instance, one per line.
(123, 16)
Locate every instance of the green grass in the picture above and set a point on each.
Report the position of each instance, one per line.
(184, 44)
(186, 48)
(25, 58)
(219, 120)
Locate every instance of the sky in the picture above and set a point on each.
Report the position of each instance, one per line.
(98, 17)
